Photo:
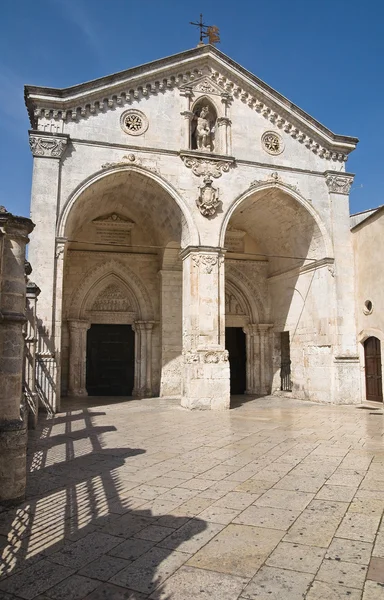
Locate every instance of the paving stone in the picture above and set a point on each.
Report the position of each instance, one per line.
(35, 579)
(219, 514)
(264, 516)
(86, 550)
(342, 573)
(189, 583)
(154, 532)
(274, 584)
(287, 499)
(191, 536)
(131, 549)
(150, 570)
(236, 500)
(108, 591)
(373, 591)
(350, 551)
(237, 550)
(104, 567)
(75, 587)
(296, 557)
(340, 493)
(356, 526)
(376, 570)
(326, 591)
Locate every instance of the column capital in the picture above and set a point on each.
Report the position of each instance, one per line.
(339, 182)
(223, 121)
(61, 244)
(48, 145)
(201, 250)
(75, 324)
(15, 226)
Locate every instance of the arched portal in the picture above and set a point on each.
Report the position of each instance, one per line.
(280, 250)
(373, 368)
(118, 226)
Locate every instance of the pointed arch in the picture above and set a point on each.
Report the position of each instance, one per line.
(96, 279)
(248, 294)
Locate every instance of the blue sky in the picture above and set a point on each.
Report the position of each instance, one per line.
(326, 56)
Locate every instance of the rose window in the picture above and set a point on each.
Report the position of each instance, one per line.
(272, 143)
(134, 122)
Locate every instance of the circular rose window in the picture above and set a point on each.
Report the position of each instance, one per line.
(272, 142)
(134, 122)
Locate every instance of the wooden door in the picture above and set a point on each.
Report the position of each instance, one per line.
(235, 344)
(110, 360)
(285, 364)
(373, 383)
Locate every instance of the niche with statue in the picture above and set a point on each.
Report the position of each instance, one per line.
(203, 126)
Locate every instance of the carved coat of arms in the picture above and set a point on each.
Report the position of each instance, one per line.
(208, 199)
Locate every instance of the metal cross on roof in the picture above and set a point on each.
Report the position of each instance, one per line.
(207, 31)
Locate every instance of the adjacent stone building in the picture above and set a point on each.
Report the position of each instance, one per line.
(186, 212)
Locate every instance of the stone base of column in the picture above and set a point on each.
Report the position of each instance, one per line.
(346, 387)
(78, 392)
(206, 384)
(13, 444)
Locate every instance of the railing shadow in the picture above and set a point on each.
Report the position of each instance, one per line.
(80, 524)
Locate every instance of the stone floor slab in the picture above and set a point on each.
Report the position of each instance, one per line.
(326, 591)
(274, 584)
(238, 550)
(189, 583)
(296, 557)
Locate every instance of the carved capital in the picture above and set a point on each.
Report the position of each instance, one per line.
(207, 167)
(60, 247)
(48, 146)
(223, 121)
(339, 183)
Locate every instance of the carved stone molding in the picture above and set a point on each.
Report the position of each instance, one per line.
(206, 356)
(339, 183)
(47, 146)
(273, 178)
(208, 199)
(208, 167)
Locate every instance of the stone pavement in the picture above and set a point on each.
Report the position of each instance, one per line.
(276, 499)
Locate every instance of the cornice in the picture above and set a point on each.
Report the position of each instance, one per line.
(181, 71)
(338, 183)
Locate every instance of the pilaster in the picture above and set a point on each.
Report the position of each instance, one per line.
(77, 357)
(258, 348)
(206, 366)
(346, 364)
(143, 359)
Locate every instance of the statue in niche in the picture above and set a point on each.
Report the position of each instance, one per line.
(204, 131)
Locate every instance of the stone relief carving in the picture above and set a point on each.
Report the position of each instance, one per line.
(272, 142)
(207, 357)
(339, 184)
(134, 122)
(208, 261)
(273, 178)
(208, 199)
(49, 147)
(112, 299)
(207, 167)
(232, 305)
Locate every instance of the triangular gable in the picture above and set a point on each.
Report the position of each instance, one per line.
(204, 66)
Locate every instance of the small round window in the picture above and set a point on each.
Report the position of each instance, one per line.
(134, 122)
(272, 142)
(368, 307)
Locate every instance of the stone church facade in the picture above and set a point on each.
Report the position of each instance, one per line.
(191, 238)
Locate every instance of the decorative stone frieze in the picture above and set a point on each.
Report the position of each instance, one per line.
(206, 357)
(47, 146)
(208, 199)
(209, 167)
(339, 183)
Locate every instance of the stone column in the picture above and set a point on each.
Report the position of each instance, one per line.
(77, 357)
(171, 333)
(60, 254)
(13, 238)
(223, 124)
(143, 359)
(206, 366)
(346, 361)
(265, 358)
(30, 354)
(48, 149)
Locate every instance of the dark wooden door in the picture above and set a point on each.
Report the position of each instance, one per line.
(285, 364)
(373, 383)
(110, 360)
(235, 344)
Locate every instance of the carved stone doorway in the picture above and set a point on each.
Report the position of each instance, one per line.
(235, 344)
(110, 360)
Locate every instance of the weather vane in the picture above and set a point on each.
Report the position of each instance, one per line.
(207, 31)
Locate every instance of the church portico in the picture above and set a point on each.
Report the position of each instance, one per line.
(195, 235)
